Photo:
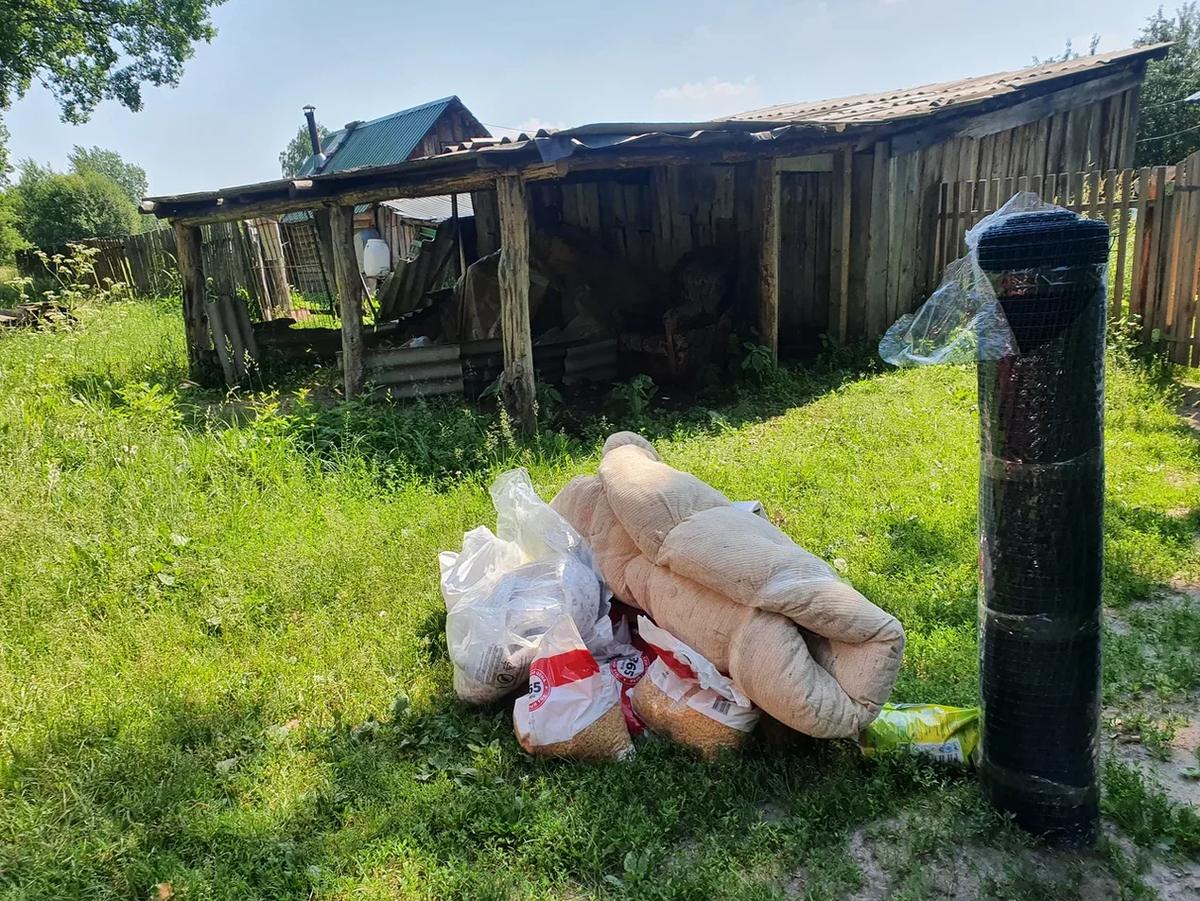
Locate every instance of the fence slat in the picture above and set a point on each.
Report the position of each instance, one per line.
(1126, 178)
(1158, 190)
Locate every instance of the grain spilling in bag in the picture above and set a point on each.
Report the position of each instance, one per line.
(627, 661)
(685, 698)
(503, 591)
(573, 707)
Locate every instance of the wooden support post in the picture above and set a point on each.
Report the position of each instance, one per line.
(458, 241)
(345, 268)
(195, 297)
(518, 387)
(766, 191)
(843, 183)
(321, 222)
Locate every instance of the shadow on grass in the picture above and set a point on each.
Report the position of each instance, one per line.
(446, 440)
(439, 802)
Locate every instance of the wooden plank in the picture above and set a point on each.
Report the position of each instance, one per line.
(931, 162)
(767, 215)
(272, 244)
(840, 261)
(1154, 260)
(1185, 271)
(1132, 112)
(1089, 196)
(349, 285)
(188, 254)
(860, 242)
(898, 176)
(819, 162)
(1141, 246)
(1123, 186)
(1173, 238)
(943, 227)
(908, 294)
(517, 388)
(877, 271)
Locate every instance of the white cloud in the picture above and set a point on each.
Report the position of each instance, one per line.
(529, 127)
(709, 89)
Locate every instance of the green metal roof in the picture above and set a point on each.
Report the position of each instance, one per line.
(380, 142)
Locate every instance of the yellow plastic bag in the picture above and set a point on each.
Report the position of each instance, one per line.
(949, 734)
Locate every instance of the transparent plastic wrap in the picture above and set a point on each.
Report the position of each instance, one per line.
(962, 321)
(503, 592)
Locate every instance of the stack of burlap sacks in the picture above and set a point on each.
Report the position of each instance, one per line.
(798, 641)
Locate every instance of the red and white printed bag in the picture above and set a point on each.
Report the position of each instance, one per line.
(684, 674)
(573, 705)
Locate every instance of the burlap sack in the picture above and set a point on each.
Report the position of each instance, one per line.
(803, 645)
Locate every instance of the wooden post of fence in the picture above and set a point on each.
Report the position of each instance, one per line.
(518, 388)
(195, 319)
(843, 192)
(766, 196)
(345, 269)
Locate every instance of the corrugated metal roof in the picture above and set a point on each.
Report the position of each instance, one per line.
(431, 209)
(380, 142)
(930, 98)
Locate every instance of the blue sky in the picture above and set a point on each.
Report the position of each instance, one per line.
(523, 64)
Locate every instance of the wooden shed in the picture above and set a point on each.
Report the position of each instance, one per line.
(830, 209)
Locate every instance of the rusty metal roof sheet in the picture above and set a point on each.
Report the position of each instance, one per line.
(930, 98)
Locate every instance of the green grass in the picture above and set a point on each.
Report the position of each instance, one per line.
(220, 662)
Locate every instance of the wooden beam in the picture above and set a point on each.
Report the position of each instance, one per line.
(817, 162)
(345, 269)
(462, 254)
(517, 386)
(842, 218)
(766, 184)
(189, 256)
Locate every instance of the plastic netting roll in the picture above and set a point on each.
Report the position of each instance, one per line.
(1041, 501)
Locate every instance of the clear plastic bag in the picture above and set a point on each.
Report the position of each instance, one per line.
(503, 592)
(962, 321)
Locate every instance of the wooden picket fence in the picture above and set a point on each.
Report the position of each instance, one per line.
(1154, 217)
(145, 262)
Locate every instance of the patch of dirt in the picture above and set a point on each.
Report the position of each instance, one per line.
(1175, 775)
(961, 872)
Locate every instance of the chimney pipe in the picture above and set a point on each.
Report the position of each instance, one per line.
(310, 113)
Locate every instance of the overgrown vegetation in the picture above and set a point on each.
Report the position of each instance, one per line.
(221, 662)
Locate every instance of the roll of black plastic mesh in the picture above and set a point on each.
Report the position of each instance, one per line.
(1041, 505)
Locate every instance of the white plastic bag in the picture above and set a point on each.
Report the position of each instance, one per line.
(504, 591)
(573, 706)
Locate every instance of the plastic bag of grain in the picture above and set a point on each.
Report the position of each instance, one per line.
(573, 708)
(685, 697)
(503, 591)
(627, 659)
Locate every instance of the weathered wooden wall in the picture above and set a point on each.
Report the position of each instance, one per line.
(654, 216)
(1093, 136)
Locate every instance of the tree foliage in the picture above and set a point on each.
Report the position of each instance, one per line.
(1169, 129)
(298, 150)
(1069, 53)
(85, 51)
(57, 208)
(129, 178)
